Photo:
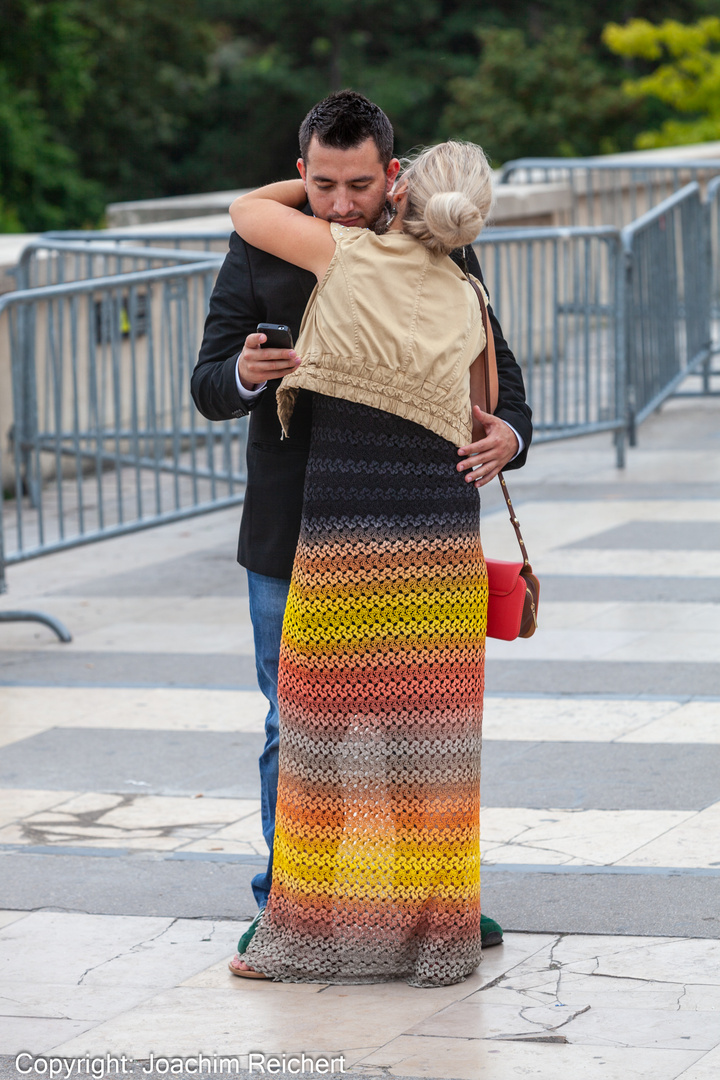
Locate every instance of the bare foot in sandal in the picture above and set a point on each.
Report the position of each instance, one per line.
(238, 967)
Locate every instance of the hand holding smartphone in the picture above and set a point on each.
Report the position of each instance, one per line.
(254, 368)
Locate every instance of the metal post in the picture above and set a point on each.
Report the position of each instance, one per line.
(707, 281)
(629, 347)
(24, 616)
(621, 388)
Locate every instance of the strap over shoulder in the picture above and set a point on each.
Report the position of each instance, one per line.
(488, 383)
(489, 362)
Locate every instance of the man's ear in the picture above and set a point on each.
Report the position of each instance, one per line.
(391, 174)
(301, 169)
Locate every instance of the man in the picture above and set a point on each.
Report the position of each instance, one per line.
(346, 162)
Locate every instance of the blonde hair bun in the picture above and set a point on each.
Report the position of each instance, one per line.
(452, 219)
(449, 195)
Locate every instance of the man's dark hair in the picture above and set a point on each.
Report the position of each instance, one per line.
(344, 120)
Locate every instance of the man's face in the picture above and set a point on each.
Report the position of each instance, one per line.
(348, 186)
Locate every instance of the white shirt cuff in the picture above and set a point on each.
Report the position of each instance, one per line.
(521, 444)
(247, 395)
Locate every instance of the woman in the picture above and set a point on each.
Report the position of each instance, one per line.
(376, 853)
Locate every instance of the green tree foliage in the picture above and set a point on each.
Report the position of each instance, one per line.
(688, 79)
(94, 99)
(39, 179)
(148, 69)
(43, 78)
(545, 98)
(270, 65)
(550, 88)
(538, 17)
(138, 98)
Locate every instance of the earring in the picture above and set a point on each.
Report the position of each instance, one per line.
(387, 216)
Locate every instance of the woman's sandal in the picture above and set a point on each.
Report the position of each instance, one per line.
(245, 972)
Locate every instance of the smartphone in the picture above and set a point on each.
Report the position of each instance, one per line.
(278, 336)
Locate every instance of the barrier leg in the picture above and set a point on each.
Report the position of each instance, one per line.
(631, 429)
(706, 372)
(38, 616)
(620, 449)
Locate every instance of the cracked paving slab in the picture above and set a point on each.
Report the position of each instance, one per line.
(575, 837)
(575, 994)
(63, 974)
(546, 999)
(155, 823)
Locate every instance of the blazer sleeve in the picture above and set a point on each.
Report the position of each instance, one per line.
(232, 315)
(512, 404)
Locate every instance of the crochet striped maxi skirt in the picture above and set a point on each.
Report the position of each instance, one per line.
(376, 866)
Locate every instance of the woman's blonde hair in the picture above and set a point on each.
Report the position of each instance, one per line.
(449, 195)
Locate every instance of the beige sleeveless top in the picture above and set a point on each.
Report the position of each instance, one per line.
(394, 326)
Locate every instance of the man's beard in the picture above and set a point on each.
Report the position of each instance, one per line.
(378, 220)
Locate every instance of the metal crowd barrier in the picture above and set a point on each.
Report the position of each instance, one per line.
(212, 241)
(58, 628)
(106, 439)
(59, 258)
(610, 192)
(558, 296)
(668, 265)
(713, 220)
(103, 336)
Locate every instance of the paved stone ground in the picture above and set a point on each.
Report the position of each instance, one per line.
(129, 816)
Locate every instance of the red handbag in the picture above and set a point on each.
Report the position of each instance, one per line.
(513, 589)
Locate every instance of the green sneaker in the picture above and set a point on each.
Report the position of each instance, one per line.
(490, 932)
(247, 936)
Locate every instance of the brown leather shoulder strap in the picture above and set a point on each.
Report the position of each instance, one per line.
(487, 352)
(515, 523)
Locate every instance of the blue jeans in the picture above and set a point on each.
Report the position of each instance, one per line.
(268, 597)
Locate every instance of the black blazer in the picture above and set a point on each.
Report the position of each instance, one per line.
(254, 287)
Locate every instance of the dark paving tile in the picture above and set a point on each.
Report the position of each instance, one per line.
(70, 667)
(524, 488)
(63, 667)
(220, 764)
(663, 905)
(600, 776)
(615, 776)
(601, 677)
(583, 902)
(131, 885)
(574, 587)
(210, 572)
(656, 536)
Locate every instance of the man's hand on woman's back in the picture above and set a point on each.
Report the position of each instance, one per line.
(490, 454)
